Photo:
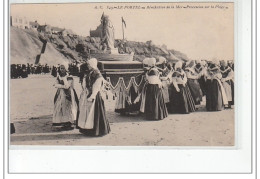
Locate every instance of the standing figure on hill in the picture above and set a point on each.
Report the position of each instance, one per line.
(92, 119)
(65, 101)
(216, 97)
(181, 100)
(152, 101)
(108, 36)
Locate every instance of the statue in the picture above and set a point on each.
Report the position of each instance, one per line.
(107, 35)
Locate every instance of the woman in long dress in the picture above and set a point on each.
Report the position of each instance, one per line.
(152, 101)
(215, 96)
(92, 119)
(65, 101)
(165, 75)
(181, 100)
(193, 83)
(227, 81)
(200, 68)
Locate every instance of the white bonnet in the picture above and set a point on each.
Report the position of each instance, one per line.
(93, 63)
(162, 60)
(178, 65)
(151, 62)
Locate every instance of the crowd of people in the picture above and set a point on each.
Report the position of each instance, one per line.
(171, 88)
(73, 69)
(180, 88)
(23, 70)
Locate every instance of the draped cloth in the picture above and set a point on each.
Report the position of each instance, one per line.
(125, 88)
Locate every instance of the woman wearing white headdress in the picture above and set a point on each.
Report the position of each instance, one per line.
(92, 119)
(192, 82)
(227, 81)
(201, 70)
(152, 101)
(166, 73)
(216, 97)
(181, 100)
(65, 101)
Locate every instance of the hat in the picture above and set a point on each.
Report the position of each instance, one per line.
(145, 61)
(178, 65)
(93, 63)
(66, 65)
(203, 63)
(162, 60)
(151, 62)
(190, 63)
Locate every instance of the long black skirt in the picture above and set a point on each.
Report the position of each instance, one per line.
(195, 90)
(180, 102)
(203, 85)
(101, 124)
(214, 100)
(155, 108)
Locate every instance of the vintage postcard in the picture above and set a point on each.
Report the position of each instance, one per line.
(122, 74)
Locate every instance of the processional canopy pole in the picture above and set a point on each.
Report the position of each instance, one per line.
(123, 24)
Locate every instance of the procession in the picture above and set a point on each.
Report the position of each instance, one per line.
(114, 81)
(171, 89)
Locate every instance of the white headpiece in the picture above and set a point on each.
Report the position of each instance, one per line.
(178, 65)
(66, 65)
(203, 62)
(151, 62)
(146, 60)
(93, 63)
(189, 63)
(162, 60)
(198, 61)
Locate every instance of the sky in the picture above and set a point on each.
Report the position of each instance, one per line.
(206, 32)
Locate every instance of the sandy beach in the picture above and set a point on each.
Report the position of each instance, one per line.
(31, 107)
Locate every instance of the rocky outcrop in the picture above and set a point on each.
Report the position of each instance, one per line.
(77, 48)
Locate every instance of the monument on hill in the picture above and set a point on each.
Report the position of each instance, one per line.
(106, 32)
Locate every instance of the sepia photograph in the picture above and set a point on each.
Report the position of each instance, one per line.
(122, 74)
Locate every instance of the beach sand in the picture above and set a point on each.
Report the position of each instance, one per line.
(31, 107)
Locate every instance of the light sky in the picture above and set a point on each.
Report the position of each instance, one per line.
(205, 33)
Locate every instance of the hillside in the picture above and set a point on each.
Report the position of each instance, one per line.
(26, 45)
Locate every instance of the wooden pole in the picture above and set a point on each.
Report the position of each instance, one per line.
(123, 30)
